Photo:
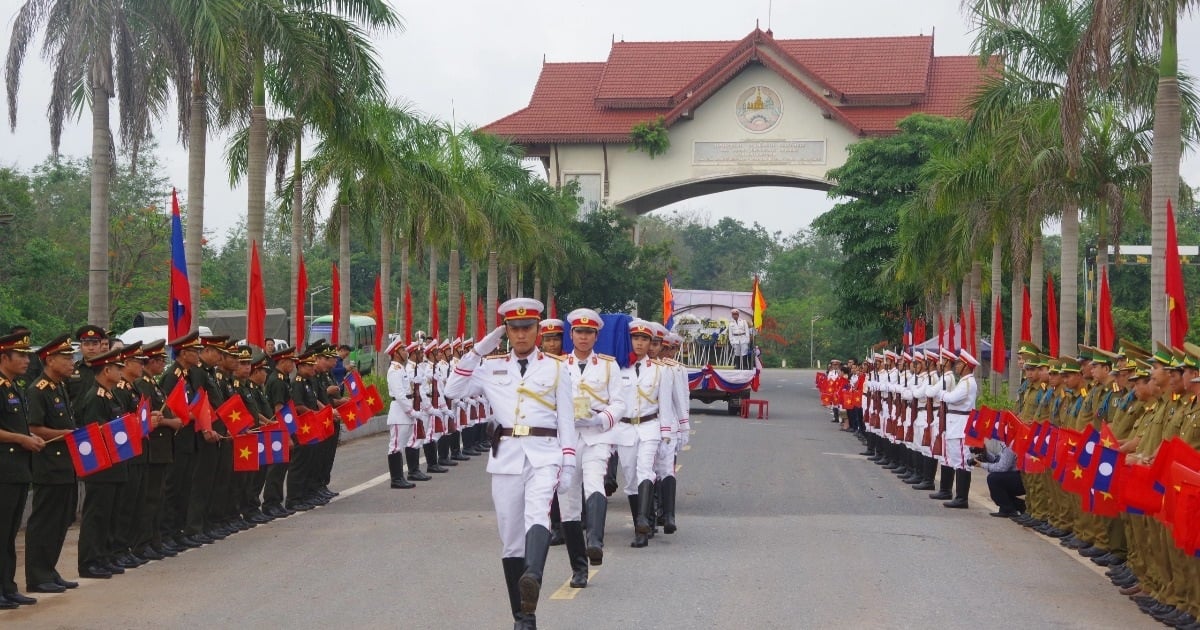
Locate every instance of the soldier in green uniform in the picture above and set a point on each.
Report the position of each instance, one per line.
(17, 446)
(329, 392)
(159, 448)
(93, 341)
(184, 372)
(125, 528)
(222, 511)
(251, 390)
(302, 473)
(208, 449)
(55, 490)
(102, 490)
(279, 393)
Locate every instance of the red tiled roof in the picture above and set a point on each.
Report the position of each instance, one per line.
(872, 83)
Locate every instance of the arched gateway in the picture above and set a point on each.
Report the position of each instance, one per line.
(756, 112)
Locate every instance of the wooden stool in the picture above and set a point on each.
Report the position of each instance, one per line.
(763, 408)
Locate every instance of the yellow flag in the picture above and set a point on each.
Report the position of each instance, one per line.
(758, 303)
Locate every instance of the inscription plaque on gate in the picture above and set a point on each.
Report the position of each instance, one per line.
(760, 152)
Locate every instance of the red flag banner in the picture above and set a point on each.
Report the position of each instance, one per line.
(408, 318)
(202, 409)
(1051, 316)
(179, 302)
(460, 330)
(380, 325)
(177, 402)
(434, 324)
(299, 306)
(998, 349)
(372, 400)
(256, 306)
(942, 333)
(950, 333)
(325, 419)
(352, 415)
(1106, 333)
(480, 320)
(1026, 314)
(1177, 315)
(245, 452)
(235, 414)
(337, 306)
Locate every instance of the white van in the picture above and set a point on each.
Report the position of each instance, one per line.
(146, 334)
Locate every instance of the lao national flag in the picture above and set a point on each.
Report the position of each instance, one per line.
(287, 415)
(973, 437)
(1089, 448)
(245, 453)
(88, 452)
(143, 414)
(354, 385)
(1078, 476)
(908, 333)
(236, 414)
(179, 309)
(121, 445)
(274, 447)
(353, 416)
(1104, 499)
(373, 401)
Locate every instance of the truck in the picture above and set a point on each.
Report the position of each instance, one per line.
(701, 319)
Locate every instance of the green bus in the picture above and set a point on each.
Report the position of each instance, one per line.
(362, 339)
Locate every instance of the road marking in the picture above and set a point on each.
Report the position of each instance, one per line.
(566, 592)
(677, 467)
(363, 486)
(687, 448)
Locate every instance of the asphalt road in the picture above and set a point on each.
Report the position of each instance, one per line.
(782, 525)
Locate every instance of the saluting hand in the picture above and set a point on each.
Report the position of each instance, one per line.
(489, 343)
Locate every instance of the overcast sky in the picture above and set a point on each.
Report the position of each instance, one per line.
(479, 60)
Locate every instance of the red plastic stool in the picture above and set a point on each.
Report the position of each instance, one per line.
(763, 408)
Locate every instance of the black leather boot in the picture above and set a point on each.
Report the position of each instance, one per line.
(944, 485)
(962, 486)
(413, 457)
(892, 462)
(431, 458)
(639, 540)
(443, 452)
(644, 521)
(537, 545)
(914, 468)
(597, 509)
(658, 507)
(396, 468)
(513, 568)
(610, 476)
(928, 470)
(667, 488)
(576, 552)
(456, 449)
(556, 531)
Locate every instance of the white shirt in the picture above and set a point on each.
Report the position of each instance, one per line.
(600, 384)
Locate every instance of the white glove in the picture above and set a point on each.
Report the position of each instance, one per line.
(666, 449)
(597, 420)
(684, 436)
(489, 343)
(566, 478)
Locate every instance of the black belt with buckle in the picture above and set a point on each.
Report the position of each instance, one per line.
(646, 418)
(958, 413)
(519, 430)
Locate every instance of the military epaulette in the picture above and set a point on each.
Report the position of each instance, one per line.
(496, 353)
(299, 379)
(123, 385)
(100, 391)
(42, 383)
(179, 372)
(606, 357)
(4, 382)
(554, 356)
(220, 376)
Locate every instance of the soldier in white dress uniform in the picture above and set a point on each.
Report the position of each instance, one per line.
(599, 404)
(960, 402)
(533, 443)
(640, 433)
(400, 413)
(664, 465)
(433, 411)
(946, 384)
(550, 341)
(739, 340)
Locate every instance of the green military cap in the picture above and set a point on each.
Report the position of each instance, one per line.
(190, 341)
(1177, 358)
(1068, 364)
(1141, 369)
(244, 354)
(1055, 366)
(1162, 353)
(1125, 365)
(1044, 360)
(316, 347)
(1028, 347)
(90, 332)
(1100, 355)
(1085, 353)
(1132, 350)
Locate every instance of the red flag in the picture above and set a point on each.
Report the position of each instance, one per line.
(941, 332)
(1051, 316)
(372, 399)
(1177, 315)
(1026, 314)
(143, 414)
(309, 428)
(434, 324)
(1136, 489)
(274, 447)
(554, 311)
(408, 314)
(245, 452)
(962, 331)
(179, 302)
(256, 302)
(118, 438)
(177, 402)
(299, 308)
(202, 409)
(1107, 333)
(480, 320)
(325, 418)
(460, 331)
(352, 415)
(337, 308)
(919, 333)
(971, 330)
(88, 451)
(235, 414)
(379, 323)
(133, 422)
(950, 333)
(998, 349)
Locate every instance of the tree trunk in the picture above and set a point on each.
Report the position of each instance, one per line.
(950, 306)
(514, 289)
(1101, 270)
(474, 300)
(297, 237)
(343, 304)
(98, 310)
(996, 289)
(1037, 283)
(256, 165)
(452, 297)
(197, 149)
(1164, 160)
(975, 308)
(433, 288)
(385, 285)
(537, 290)
(1018, 288)
(493, 290)
(404, 254)
(1068, 312)
(550, 297)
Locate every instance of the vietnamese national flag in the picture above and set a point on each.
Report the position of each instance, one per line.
(287, 416)
(301, 295)
(372, 400)
(1177, 316)
(998, 349)
(143, 415)
(1106, 332)
(352, 415)
(236, 414)
(325, 418)
(202, 409)
(337, 307)
(919, 332)
(245, 453)
(1177, 476)
(256, 302)
(89, 453)
(177, 402)
(179, 307)
(274, 448)
(460, 330)
(1051, 316)
(378, 310)
(119, 438)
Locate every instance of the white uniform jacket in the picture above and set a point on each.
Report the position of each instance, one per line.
(644, 396)
(600, 385)
(960, 402)
(400, 389)
(541, 398)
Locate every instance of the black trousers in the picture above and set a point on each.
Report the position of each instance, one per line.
(300, 472)
(178, 491)
(203, 481)
(100, 501)
(133, 494)
(53, 512)
(1005, 487)
(221, 504)
(855, 415)
(153, 507)
(272, 492)
(12, 508)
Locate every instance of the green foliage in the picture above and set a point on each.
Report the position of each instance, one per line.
(999, 401)
(726, 255)
(651, 136)
(620, 274)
